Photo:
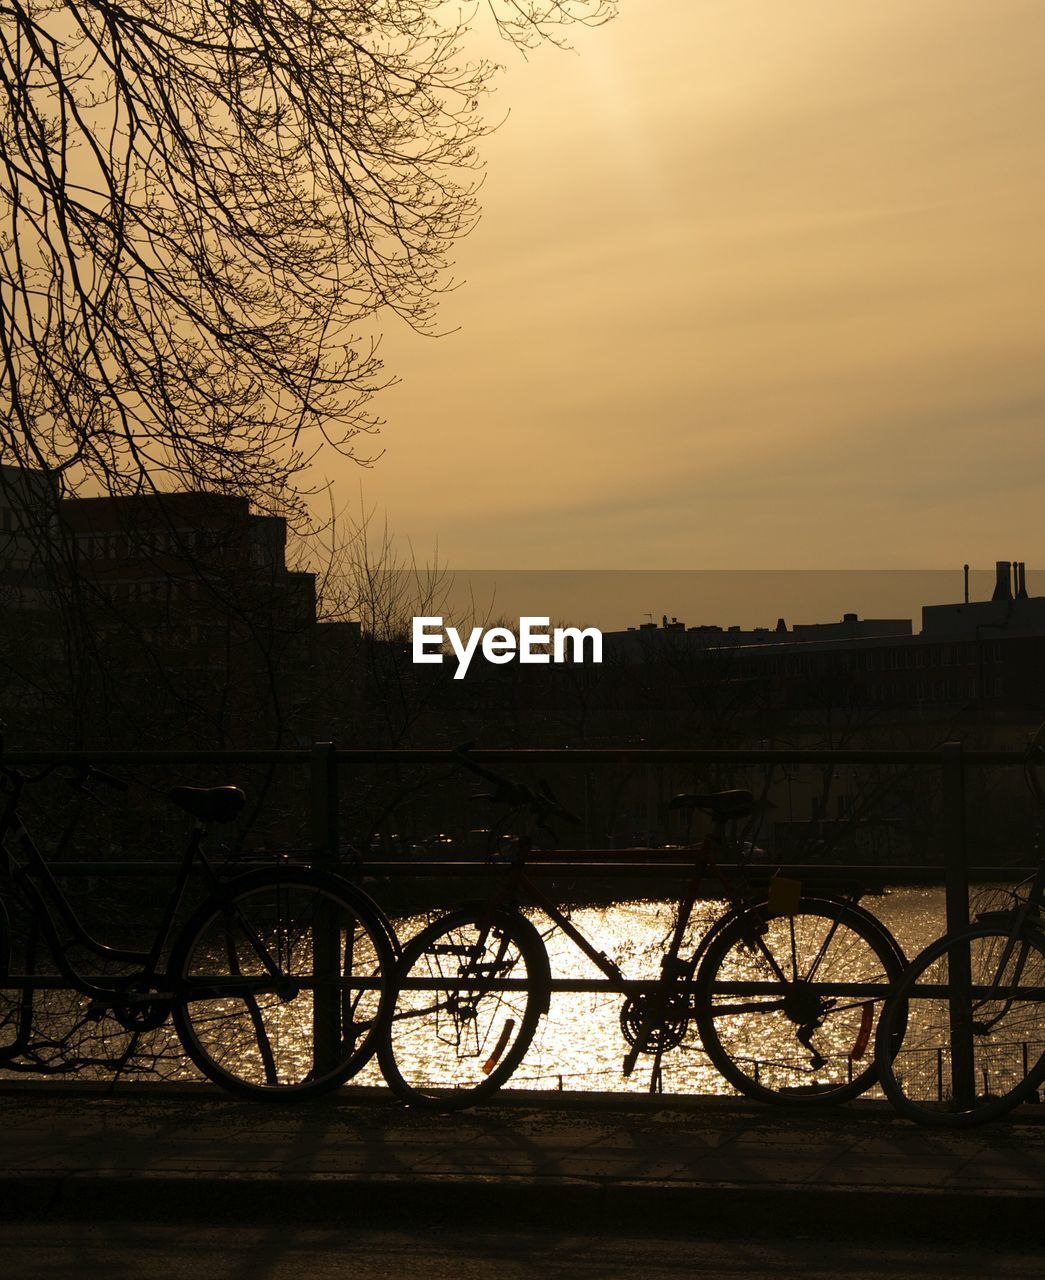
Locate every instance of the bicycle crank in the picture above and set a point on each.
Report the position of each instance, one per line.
(143, 1011)
(666, 1033)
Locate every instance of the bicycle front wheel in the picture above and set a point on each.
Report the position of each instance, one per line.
(787, 1003)
(984, 986)
(279, 981)
(469, 993)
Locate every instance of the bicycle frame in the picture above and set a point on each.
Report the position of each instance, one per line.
(35, 881)
(672, 970)
(626, 986)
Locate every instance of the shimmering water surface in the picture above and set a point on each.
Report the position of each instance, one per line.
(580, 1045)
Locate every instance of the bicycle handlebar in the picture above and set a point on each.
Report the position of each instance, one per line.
(542, 803)
(82, 774)
(106, 779)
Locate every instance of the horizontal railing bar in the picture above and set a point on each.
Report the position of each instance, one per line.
(455, 983)
(820, 872)
(19, 759)
(151, 867)
(521, 756)
(940, 991)
(197, 988)
(56, 982)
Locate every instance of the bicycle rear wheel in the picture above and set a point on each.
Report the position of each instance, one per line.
(773, 1011)
(468, 995)
(1003, 1014)
(279, 982)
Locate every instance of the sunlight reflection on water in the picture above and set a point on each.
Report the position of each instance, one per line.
(580, 1045)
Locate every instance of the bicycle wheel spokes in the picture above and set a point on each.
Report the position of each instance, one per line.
(281, 989)
(808, 1037)
(999, 1008)
(464, 1011)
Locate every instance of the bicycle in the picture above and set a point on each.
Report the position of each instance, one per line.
(274, 984)
(470, 988)
(979, 990)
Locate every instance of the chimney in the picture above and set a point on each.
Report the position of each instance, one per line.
(1002, 580)
(1021, 581)
(966, 567)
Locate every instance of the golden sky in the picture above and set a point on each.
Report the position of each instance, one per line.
(758, 283)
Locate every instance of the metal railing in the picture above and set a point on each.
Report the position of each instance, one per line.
(324, 762)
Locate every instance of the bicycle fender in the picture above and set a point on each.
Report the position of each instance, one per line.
(759, 905)
(542, 965)
(322, 879)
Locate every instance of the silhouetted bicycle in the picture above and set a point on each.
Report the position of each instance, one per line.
(275, 983)
(782, 995)
(980, 989)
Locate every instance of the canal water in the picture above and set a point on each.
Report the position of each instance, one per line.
(580, 1044)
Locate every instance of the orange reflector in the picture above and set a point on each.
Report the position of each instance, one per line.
(499, 1047)
(864, 1034)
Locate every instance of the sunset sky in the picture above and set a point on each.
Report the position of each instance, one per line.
(759, 283)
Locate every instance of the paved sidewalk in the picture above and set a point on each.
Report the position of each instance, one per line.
(163, 1153)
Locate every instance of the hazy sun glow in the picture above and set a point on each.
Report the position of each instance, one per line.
(757, 284)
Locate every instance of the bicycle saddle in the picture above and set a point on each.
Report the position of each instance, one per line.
(209, 804)
(720, 804)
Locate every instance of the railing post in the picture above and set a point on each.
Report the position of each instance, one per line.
(956, 872)
(324, 802)
(326, 941)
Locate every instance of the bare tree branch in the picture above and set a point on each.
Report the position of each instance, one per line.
(204, 209)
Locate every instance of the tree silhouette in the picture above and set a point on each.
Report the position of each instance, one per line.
(205, 206)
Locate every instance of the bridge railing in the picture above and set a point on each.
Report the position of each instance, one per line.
(324, 763)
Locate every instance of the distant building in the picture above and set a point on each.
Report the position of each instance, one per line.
(179, 559)
(31, 653)
(152, 618)
(194, 589)
(1010, 610)
(27, 524)
(637, 643)
(978, 661)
